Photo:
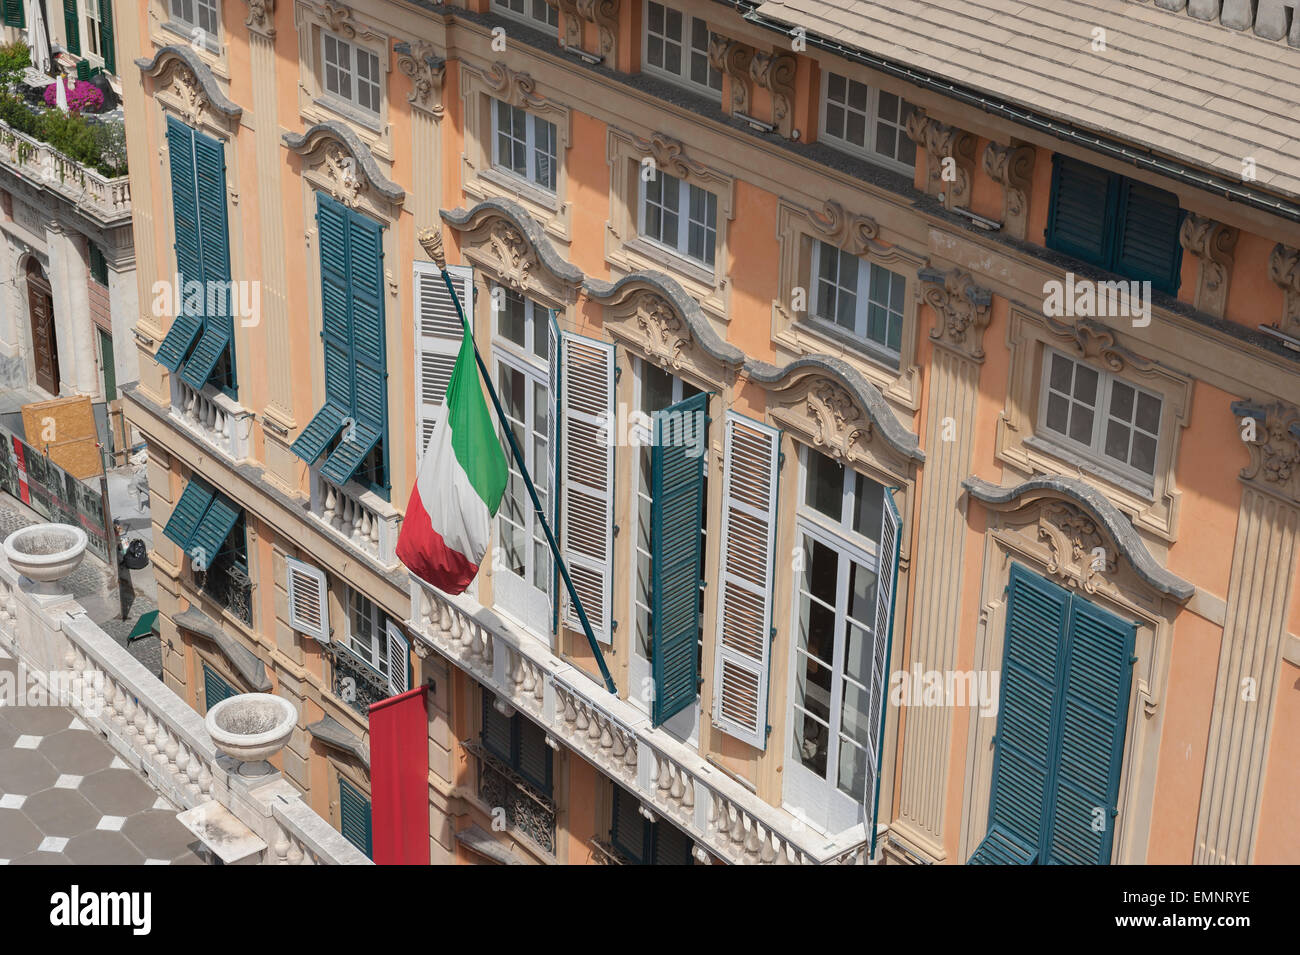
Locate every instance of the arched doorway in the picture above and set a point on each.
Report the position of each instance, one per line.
(45, 347)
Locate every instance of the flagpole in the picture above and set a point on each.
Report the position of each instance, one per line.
(431, 241)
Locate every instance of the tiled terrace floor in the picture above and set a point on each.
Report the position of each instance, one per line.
(67, 799)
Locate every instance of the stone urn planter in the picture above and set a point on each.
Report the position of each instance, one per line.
(46, 553)
(251, 728)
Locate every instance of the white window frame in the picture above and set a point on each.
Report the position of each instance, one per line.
(377, 657)
(802, 787)
(529, 12)
(92, 41)
(196, 20)
(1095, 451)
(532, 149)
(862, 291)
(872, 116)
(682, 242)
(686, 41)
(515, 595)
(355, 51)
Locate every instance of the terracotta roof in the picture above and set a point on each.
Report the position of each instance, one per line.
(1193, 90)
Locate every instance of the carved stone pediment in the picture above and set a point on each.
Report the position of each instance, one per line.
(499, 236)
(1092, 340)
(516, 87)
(1275, 451)
(669, 155)
(1080, 550)
(189, 88)
(852, 232)
(344, 164)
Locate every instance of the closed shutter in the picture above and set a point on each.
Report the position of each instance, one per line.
(215, 688)
(214, 261)
(554, 382)
(1092, 721)
(399, 658)
(1147, 245)
(71, 30)
(748, 543)
(106, 37)
(676, 523)
(882, 647)
(587, 482)
(672, 846)
(188, 512)
(332, 230)
(532, 755)
(438, 335)
(354, 817)
(1082, 209)
(498, 731)
(185, 327)
(308, 601)
(366, 303)
(628, 829)
(14, 13)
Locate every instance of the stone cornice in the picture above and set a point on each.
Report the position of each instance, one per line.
(1097, 507)
(338, 144)
(1275, 451)
(193, 82)
(963, 309)
(518, 243)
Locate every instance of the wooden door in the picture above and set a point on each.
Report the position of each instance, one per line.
(45, 350)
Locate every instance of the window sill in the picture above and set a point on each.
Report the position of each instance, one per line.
(372, 123)
(866, 155)
(1090, 466)
(672, 260)
(185, 32)
(889, 362)
(522, 189)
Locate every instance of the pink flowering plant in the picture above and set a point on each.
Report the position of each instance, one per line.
(82, 96)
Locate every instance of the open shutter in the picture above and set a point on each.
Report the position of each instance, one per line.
(188, 323)
(308, 601)
(553, 435)
(587, 479)
(1037, 617)
(184, 329)
(209, 537)
(71, 30)
(15, 14)
(106, 35)
(336, 333)
(1083, 202)
(1093, 715)
(676, 522)
(214, 261)
(188, 512)
(320, 431)
(1147, 244)
(882, 648)
(399, 658)
(532, 755)
(215, 687)
(748, 543)
(359, 439)
(438, 335)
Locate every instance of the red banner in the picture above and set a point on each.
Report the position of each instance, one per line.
(399, 779)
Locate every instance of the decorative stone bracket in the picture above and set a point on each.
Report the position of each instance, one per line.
(775, 73)
(963, 309)
(1013, 167)
(733, 58)
(1275, 453)
(947, 148)
(602, 13)
(261, 17)
(1284, 270)
(426, 70)
(1213, 243)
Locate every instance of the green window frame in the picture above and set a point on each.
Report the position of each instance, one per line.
(1062, 715)
(642, 842)
(199, 345)
(351, 428)
(1116, 223)
(354, 817)
(519, 743)
(215, 687)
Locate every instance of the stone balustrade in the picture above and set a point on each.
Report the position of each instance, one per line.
(360, 517)
(214, 418)
(727, 821)
(107, 199)
(153, 729)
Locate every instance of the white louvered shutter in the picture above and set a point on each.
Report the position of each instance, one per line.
(553, 462)
(308, 602)
(587, 478)
(399, 659)
(438, 335)
(886, 595)
(748, 542)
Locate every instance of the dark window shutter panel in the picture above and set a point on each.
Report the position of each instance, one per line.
(1078, 221)
(533, 760)
(187, 513)
(210, 186)
(1147, 246)
(210, 536)
(320, 431)
(628, 827)
(71, 29)
(672, 846)
(497, 735)
(106, 39)
(15, 14)
(354, 817)
(215, 688)
(180, 148)
(676, 519)
(176, 343)
(331, 223)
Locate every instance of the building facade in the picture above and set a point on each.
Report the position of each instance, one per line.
(924, 453)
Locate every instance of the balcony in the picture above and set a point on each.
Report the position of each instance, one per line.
(727, 821)
(527, 811)
(354, 682)
(213, 417)
(358, 517)
(109, 200)
(230, 588)
(154, 730)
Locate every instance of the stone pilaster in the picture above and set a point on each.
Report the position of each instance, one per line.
(962, 311)
(1284, 270)
(1012, 166)
(949, 158)
(1213, 244)
(1255, 624)
(69, 273)
(426, 70)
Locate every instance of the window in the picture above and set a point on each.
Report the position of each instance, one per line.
(1062, 712)
(677, 46)
(658, 391)
(1115, 223)
(642, 842)
(198, 14)
(523, 144)
(354, 817)
(859, 297)
(351, 73)
(519, 743)
(1114, 422)
(680, 216)
(868, 121)
(843, 601)
(522, 356)
(538, 11)
(98, 264)
(367, 632)
(90, 17)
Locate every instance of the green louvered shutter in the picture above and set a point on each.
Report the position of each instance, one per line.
(320, 431)
(188, 512)
(210, 535)
(214, 261)
(676, 521)
(106, 41)
(71, 30)
(882, 647)
(215, 687)
(629, 830)
(532, 755)
(1094, 712)
(1147, 246)
(555, 383)
(332, 226)
(185, 326)
(1082, 210)
(672, 846)
(83, 70)
(1037, 617)
(354, 817)
(15, 14)
(498, 731)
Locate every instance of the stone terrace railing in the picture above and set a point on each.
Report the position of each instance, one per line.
(109, 199)
(726, 820)
(152, 728)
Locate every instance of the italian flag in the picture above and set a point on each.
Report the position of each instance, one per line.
(458, 488)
